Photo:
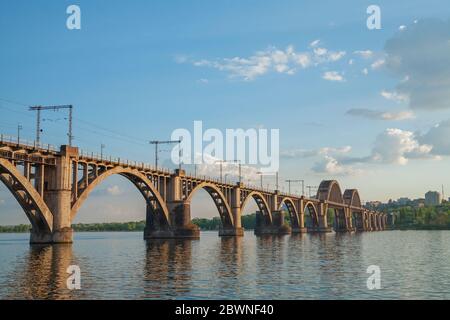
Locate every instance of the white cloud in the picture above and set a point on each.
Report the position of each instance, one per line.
(114, 190)
(333, 76)
(381, 115)
(332, 166)
(366, 54)
(203, 80)
(378, 64)
(320, 51)
(286, 61)
(365, 71)
(402, 27)
(210, 167)
(304, 153)
(394, 96)
(2, 201)
(335, 56)
(315, 43)
(328, 162)
(392, 146)
(398, 146)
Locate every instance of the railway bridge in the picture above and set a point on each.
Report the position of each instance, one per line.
(52, 184)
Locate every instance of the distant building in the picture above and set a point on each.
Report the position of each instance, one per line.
(403, 201)
(419, 203)
(373, 204)
(433, 198)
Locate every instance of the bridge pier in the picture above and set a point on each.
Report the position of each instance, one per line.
(277, 227)
(236, 229)
(322, 219)
(57, 190)
(300, 227)
(301, 224)
(181, 226)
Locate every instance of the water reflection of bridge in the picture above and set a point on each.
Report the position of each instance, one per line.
(51, 185)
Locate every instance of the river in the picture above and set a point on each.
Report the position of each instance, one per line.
(115, 265)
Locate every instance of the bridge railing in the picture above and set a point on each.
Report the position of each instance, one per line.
(94, 156)
(22, 142)
(91, 156)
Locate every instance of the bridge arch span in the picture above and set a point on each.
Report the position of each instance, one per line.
(262, 204)
(29, 199)
(142, 183)
(329, 190)
(219, 200)
(313, 213)
(351, 197)
(292, 210)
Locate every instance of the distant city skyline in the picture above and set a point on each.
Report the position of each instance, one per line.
(369, 108)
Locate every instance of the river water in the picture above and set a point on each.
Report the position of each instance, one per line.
(114, 265)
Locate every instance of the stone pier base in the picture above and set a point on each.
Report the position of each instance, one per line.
(64, 235)
(321, 230)
(299, 230)
(186, 232)
(274, 230)
(232, 232)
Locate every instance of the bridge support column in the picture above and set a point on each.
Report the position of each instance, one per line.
(179, 216)
(236, 230)
(58, 197)
(278, 226)
(348, 220)
(301, 219)
(360, 222)
(323, 215)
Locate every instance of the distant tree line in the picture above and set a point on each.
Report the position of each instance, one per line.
(406, 217)
(248, 222)
(85, 227)
(425, 218)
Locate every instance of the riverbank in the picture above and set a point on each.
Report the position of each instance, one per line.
(204, 224)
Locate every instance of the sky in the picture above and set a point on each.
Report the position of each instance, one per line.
(370, 108)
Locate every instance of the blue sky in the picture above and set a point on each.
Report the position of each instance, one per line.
(141, 69)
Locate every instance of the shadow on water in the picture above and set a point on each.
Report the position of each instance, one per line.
(167, 269)
(42, 274)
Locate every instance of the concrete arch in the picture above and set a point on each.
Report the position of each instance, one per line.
(135, 177)
(219, 200)
(292, 209)
(261, 202)
(313, 211)
(351, 197)
(29, 199)
(329, 190)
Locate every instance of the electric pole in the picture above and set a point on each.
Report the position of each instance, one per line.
(293, 181)
(240, 169)
(261, 178)
(221, 168)
(277, 185)
(38, 110)
(309, 189)
(102, 147)
(19, 128)
(157, 143)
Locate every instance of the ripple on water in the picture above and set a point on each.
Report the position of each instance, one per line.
(414, 265)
